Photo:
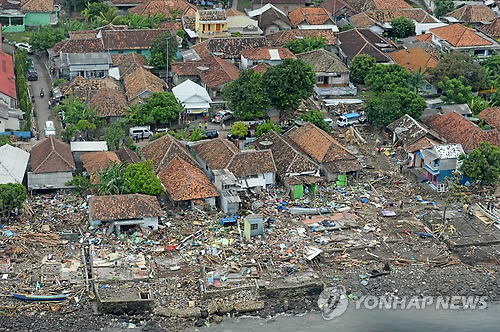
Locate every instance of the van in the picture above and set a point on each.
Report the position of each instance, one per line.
(350, 119)
(140, 132)
(50, 129)
(330, 122)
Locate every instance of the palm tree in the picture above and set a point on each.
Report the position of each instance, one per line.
(112, 180)
(417, 80)
(109, 17)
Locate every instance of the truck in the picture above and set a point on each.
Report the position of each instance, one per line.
(349, 119)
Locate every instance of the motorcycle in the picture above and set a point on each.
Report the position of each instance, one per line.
(41, 93)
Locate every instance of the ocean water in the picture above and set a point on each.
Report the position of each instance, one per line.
(377, 320)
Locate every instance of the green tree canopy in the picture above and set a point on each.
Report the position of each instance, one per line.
(417, 80)
(443, 7)
(246, 96)
(457, 64)
(455, 91)
(12, 196)
(46, 38)
(134, 21)
(266, 127)
(109, 16)
(239, 129)
(4, 139)
(163, 50)
(161, 107)
(93, 10)
(306, 44)
(113, 135)
(288, 83)
(482, 164)
(361, 65)
(387, 78)
(388, 106)
(75, 110)
(478, 104)
(112, 180)
(316, 118)
(403, 27)
(141, 179)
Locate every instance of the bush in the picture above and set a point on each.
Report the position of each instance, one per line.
(59, 81)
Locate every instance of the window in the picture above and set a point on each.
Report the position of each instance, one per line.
(17, 21)
(254, 227)
(480, 52)
(4, 21)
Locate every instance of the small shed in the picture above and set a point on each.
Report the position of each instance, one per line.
(80, 148)
(193, 97)
(253, 226)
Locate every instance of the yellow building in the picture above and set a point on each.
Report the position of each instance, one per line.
(211, 23)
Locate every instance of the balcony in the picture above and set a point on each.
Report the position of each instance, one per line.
(213, 34)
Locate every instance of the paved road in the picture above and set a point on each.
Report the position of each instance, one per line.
(41, 105)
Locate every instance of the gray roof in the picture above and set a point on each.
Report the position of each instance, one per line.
(13, 163)
(87, 58)
(323, 61)
(462, 109)
(407, 129)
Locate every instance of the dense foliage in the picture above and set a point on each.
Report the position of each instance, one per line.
(46, 37)
(456, 65)
(361, 66)
(239, 129)
(246, 96)
(163, 50)
(141, 179)
(455, 91)
(403, 27)
(482, 164)
(12, 197)
(23, 98)
(288, 83)
(306, 44)
(161, 108)
(266, 127)
(316, 118)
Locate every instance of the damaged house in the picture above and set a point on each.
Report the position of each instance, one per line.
(333, 158)
(125, 210)
(52, 165)
(180, 174)
(296, 171)
(252, 169)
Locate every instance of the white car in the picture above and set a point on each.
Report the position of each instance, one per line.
(50, 129)
(25, 46)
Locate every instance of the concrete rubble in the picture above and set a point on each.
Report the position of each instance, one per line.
(383, 233)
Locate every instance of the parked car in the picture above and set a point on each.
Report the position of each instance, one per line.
(232, 137)
(32, 74)
(161, 130)
(330, 122)
(211, 133)
(140, 132)
(222, 116)
(30, 63)
(25, 46)
(350, 119)
(50, 129)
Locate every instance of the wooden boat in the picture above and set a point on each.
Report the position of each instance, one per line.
(46, 298)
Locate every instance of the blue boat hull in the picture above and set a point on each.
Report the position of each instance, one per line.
(47, 298)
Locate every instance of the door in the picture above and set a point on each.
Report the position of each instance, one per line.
(217, 27)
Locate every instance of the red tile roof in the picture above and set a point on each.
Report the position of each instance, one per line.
(473, 14)
(41, 6)
(52, 155)
(264, 53)
(184, 181)
(95, 162)
(426, 37)
(492, 29)
(7, 76)
(261, 67)
(310, 16)
(123, 207)
(280, 38)
(457, 129)
(228, 48)
(109, 102)
(214, 70)
(323, 148)
(220, 153)
(414, 58)
(93, 45)
(491, 116)
(460, 36)
(129, 58)
(163, 150)
(391, 4)
(140, 80)
(129, 39)
(165, 7)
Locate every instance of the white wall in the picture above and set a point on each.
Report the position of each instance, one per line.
(421, 28)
